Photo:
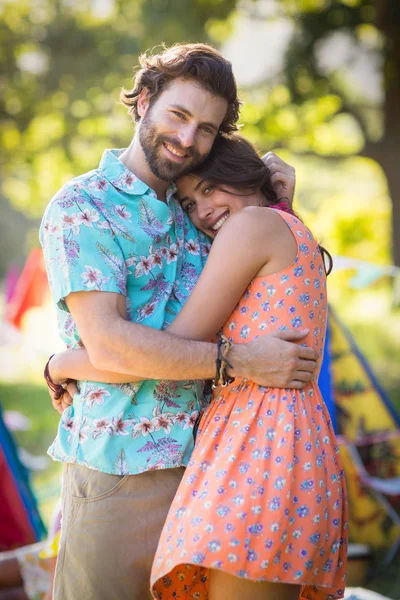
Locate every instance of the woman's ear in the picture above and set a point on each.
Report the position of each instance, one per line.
(143, 102)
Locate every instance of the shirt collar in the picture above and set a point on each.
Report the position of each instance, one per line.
(114, 170)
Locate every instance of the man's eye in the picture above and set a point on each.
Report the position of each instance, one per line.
(179, 115)
(208, 130)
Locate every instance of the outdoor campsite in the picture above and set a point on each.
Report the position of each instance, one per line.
(319, 85)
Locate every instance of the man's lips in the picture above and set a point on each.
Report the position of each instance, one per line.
(175, 153)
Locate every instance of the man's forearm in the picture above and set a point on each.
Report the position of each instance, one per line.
(152, 354)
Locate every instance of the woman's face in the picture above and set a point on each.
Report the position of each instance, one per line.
(210, 207)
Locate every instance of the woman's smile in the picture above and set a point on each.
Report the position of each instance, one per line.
(218, 224)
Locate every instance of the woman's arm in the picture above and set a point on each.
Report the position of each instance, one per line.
(75, 364)
(247, 241)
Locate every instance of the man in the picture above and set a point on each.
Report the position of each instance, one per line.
(122, 258)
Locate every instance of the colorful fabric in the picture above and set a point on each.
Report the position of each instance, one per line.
(36, 572)
(107, 231)
(263, 496)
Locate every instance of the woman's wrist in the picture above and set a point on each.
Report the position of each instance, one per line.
(55, 371)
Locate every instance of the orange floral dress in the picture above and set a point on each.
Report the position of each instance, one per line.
(263, 496)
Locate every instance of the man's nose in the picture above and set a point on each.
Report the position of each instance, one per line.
(186, 136)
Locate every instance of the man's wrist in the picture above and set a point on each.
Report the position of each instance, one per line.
(237, 360)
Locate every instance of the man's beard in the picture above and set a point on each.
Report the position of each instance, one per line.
(160, 166)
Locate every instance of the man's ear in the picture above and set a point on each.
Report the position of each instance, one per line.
(143, 102)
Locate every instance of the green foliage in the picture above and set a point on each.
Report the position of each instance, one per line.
(315, 106)
(64, 64)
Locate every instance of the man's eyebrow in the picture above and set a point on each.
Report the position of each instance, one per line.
(189, 114)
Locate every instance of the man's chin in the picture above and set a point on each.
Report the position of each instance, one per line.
(170, 172)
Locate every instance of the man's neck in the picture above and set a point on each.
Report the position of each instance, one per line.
(135, 160)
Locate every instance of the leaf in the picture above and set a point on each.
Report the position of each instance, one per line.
(147, 447)
(121, 464)
(149, 221)
(117, 227)
(189, 275)
(130, 390)
(157, 410)
(72, 250)
(171, 404)
(162, 289)
(117, 265)
(136, 433)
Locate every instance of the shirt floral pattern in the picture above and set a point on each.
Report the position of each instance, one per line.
(107, 231)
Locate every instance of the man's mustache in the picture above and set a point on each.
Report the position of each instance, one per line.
(190, 152)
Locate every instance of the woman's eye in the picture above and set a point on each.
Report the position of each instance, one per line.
(208, 189)
(188, 206)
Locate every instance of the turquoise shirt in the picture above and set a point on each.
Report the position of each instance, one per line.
(107, 231)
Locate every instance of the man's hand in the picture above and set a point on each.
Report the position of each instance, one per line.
(275, 361)
(66, 399)
(283, 177)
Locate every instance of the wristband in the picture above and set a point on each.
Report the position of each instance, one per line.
(221, 377)
(57, 388)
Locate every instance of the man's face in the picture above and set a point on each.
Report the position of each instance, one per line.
(178, 130)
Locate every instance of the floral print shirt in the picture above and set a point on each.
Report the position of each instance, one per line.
(106, 230)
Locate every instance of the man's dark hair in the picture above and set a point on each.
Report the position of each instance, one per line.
(198, 62)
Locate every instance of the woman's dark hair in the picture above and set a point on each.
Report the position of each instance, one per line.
(198, 62)
(234, 161)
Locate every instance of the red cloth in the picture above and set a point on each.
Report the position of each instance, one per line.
(15, 527)
(30, 289)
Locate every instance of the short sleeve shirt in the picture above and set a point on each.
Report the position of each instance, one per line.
(107, 231)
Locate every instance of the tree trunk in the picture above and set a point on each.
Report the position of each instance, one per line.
(388, 21)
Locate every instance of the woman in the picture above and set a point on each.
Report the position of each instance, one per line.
(261, 509)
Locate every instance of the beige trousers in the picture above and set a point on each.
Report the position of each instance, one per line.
(110, 531)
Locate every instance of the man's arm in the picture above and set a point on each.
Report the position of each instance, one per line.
(116, 345)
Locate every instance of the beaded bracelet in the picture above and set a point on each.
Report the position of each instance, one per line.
(57, 388)
(221, 377)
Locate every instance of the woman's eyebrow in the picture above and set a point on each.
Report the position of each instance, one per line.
(201, 181)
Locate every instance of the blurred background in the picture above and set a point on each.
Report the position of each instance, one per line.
(320, 81)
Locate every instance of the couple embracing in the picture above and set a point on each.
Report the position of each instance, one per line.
(254, 505)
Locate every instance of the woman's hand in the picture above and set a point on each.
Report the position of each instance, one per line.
(283, 177)
(66, 399)
(70, 389)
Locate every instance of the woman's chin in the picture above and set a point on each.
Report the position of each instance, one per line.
(208, 232)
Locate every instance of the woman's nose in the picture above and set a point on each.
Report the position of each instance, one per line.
(204, 211)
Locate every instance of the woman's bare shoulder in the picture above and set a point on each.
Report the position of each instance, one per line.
(258, 219)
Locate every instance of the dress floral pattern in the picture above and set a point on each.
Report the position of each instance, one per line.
(107, 231)
(263, 496)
